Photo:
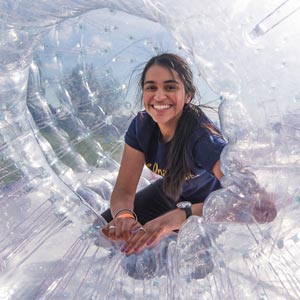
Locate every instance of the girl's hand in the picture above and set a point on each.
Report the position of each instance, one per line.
(120, 228)
(264, 210)
(153, 231)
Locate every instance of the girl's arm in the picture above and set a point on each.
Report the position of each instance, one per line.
(263, 207)
(124, 193)
(129, 174)
(217, 170)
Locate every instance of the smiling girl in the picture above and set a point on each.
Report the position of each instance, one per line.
(175, 139)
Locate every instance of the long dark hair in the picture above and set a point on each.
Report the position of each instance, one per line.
(179, 156)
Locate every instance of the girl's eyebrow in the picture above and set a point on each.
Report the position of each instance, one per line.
(167, 81)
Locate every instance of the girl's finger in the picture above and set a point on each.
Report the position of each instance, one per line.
(136, 241)
(123, 227)
(112, 231)
(105, 230)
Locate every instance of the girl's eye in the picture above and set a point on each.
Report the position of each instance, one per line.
(150, 88)
(171, 88)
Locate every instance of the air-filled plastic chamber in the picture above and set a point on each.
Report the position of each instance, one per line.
(68, 91)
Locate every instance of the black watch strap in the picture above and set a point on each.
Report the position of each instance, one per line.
(188, 211)
(186, 206)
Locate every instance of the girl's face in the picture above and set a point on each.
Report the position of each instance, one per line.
(164, 96)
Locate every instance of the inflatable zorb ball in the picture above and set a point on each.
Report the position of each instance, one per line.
(68, 82)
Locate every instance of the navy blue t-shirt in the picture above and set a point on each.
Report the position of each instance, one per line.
(143, 135)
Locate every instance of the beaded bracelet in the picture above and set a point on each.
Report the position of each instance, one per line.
(126, 209)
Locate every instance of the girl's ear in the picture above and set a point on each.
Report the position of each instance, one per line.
(187, 98)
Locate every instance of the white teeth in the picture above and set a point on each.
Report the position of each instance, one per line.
(161, 107)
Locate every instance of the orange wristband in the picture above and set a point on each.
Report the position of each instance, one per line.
(128, 212)
(125, 215)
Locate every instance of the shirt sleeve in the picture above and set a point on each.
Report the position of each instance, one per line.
(131, 136)
(207, 150)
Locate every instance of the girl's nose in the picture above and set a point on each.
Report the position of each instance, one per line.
(159, 95)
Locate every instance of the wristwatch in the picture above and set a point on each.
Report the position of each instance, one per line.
(186, 206)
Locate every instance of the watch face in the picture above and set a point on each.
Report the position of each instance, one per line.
(184, 204)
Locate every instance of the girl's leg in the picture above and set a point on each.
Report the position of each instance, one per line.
(149, 203)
